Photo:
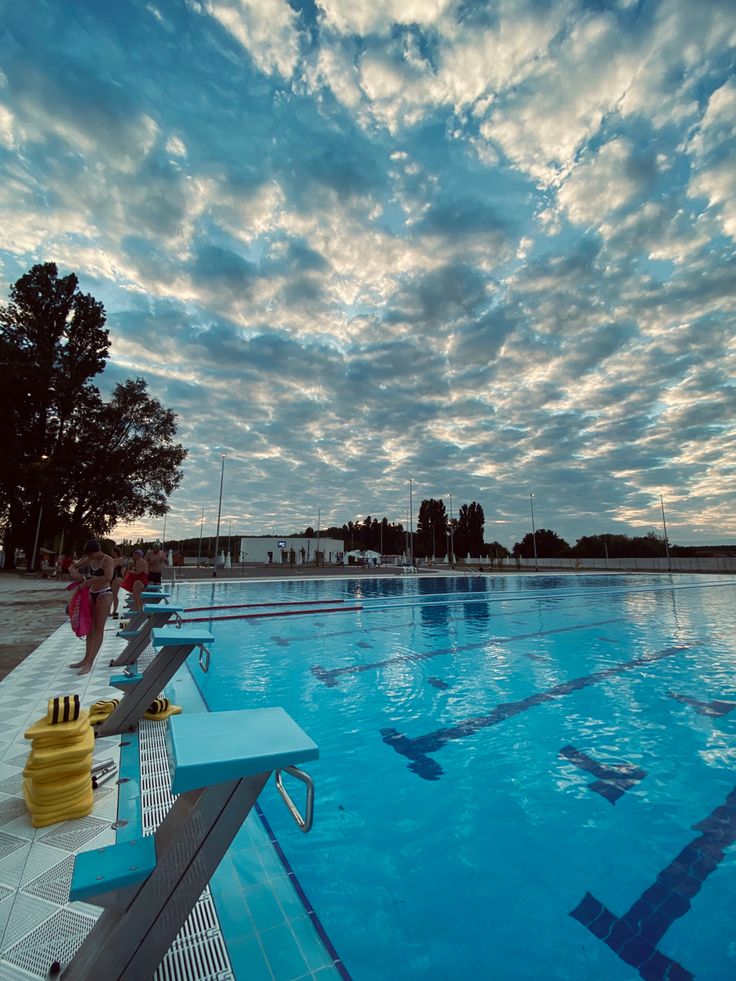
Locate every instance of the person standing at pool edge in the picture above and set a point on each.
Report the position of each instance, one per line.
(156, 559)
(119, 565)
(94, 572)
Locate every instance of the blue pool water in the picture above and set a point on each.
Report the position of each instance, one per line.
(520, 777)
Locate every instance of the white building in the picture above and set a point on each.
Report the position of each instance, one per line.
(275, 550)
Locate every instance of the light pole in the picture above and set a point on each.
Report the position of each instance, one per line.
(319, 521)
(666, 543)
(163, 537)
(411, 521)
(452, 537)
(219, 512)
(534, 534)
(199, 551)
(50, 435)
(35, 543)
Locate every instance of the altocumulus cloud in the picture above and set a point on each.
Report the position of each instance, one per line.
(489, 247)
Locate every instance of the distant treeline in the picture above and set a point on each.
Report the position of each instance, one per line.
(550, 546)
(436, 535)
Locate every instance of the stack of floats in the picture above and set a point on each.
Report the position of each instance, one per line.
(59, 777)
(57, 782)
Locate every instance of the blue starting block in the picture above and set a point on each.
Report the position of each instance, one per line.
(113, 868)
(124, 682)
(148, 596)
(156, 615)
(219, 763)
(175, 646)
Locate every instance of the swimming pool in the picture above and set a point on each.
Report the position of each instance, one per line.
(520, 777)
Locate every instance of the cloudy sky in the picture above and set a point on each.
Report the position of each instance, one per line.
(485, 245)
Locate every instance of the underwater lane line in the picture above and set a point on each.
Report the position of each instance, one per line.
(416, 750)
(614, 779)
(329, 676)
(635, 935)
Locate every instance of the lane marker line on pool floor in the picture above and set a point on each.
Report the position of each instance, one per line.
(416, 750)
(614, 779)
(635, 935)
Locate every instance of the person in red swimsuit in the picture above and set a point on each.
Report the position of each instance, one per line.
(136, 579)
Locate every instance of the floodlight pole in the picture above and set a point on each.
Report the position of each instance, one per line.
(35, 543)
(452, 537)
(666, 543)
(219, 512)
(411, 520)
(534, 534)
(201, 527)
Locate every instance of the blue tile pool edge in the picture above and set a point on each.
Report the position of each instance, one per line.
(184, 691)
(311, 913)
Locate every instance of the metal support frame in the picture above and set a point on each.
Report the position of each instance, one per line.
(139, 924)
(139, 696)
(136, 645)
(137, 617)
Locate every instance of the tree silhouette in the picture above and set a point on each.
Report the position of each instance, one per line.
(469, 530)
(549, 545)
(619, 546)
(54, 426)
(431, 534)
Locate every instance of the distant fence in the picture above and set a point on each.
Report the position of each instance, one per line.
(679, 563)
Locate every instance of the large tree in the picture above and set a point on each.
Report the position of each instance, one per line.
(131, 470)
(432, 528)
(549, 545)
(469, 530)
(75, 463)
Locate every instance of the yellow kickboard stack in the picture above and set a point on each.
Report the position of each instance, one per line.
(57, 779)
(161, 708)
(99, 711)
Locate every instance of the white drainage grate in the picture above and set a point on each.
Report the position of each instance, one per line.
(10, 844)
(56, 939)
(199, 952)
(73, 836)
(10, 809)
(12, 785)
(53, 884)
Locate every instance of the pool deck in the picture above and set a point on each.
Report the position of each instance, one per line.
(253, 922)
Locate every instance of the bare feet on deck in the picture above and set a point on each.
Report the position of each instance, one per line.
(77, 664)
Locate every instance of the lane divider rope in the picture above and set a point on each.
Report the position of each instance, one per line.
(279, 613)
(243, 606)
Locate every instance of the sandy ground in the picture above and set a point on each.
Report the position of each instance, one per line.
(30, 609)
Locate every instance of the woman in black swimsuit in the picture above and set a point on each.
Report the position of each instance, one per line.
(119, 563)
(94, 572)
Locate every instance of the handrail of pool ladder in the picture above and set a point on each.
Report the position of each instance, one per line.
(303, 823)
